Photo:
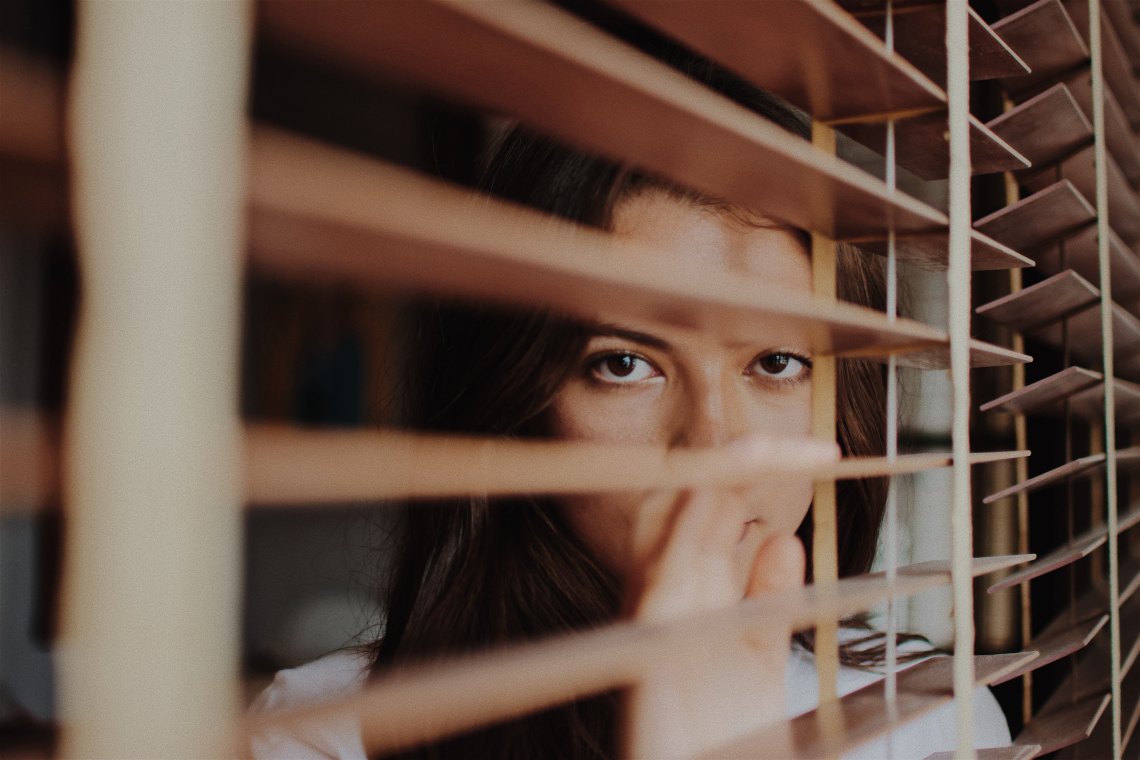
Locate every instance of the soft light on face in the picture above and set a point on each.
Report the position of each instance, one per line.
(652, 385)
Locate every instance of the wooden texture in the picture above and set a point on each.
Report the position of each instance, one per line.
(921, 146)
(929, 251)
(982, 354)
(1118, 74)
(1045, 394)
(862, 715)
(1118, 134)
(815, 56)
(1061, 724)
(979, 567)
(321, 213)
(1013, 752)
(1084, 466)
(1078, 252)
(1043, 35)
(1062, 643)
(1032, 222)
(538, 64)
(1089, 404)
(426, 702)
(1084, 333)
(1068, 127)
(1048, 301)
(1080, 169)
(1079, 548)
(920, 37)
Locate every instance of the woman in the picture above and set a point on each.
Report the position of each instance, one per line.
(472, 575)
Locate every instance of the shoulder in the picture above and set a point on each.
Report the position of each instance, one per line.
(335, 675)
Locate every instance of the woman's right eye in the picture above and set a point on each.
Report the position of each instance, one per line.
(622, 368)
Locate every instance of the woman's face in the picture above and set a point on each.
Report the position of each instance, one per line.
(640, 383)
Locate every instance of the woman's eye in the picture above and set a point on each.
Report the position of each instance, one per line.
(622, 368)
(781, 366)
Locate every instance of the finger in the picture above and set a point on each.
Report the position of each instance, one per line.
(779, 566)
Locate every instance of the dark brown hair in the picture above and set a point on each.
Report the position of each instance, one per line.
(471, 574)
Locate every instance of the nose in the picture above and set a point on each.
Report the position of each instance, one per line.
(711, 411)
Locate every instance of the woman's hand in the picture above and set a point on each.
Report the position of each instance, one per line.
(699, 555)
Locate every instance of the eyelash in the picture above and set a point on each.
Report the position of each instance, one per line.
(595, 365)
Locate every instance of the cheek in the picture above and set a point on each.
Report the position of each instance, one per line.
(605, 523)
(580, 411)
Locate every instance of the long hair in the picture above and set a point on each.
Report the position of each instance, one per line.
(472, 573)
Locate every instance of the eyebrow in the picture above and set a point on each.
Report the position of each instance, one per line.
(633, 335)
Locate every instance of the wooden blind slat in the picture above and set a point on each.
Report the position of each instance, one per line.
(1047, 301)
(815, 56)
(1077, 549)
(322, 212)
(1041, 218)
(1119, 136)
(1085, 341)
(1062, 643)
(982, 354)
(1118, 75)
(1085, 466)
(1080, 256)
(1084, 389)
(539, 64)
(1012, 752)
(862, 715)
(929, 251)
(1068, 128)
(431, 701)
(1065, 724)
(1080, 169)
(1043, 35)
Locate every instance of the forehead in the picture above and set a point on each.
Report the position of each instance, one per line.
(684, 235)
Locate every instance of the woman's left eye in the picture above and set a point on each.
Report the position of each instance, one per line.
(781, 365)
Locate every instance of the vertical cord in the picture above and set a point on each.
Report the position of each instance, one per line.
(1102, 233)
(958, 276)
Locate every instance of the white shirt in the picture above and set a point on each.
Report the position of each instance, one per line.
(343, 673)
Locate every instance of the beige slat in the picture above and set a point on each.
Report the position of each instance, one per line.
(979, 567)
(862, 715)
(1043, 35)
(1054, 646)
(1119, 135)
(1093, 603)
(1078, 548)
(921, 146)
(1051, 299)
(541, 65)
(920, 34)
(815, 56)
(430, 701)
(929, 251)
(1079, 168)
(1080, 256)
(319, 212)
(1040, 218)
(1085, 466)
(1068, 127)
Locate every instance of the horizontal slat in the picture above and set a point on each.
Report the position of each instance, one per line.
(1047, 301)
(1082, 387)
(1046, 393)
(920, 37)
(1093, 603)
(299, 466)
(1118, 74)
(1068, 127)
(551, 70)
(1012, 752)
(1054, 646)
(1099, 744)
(319, 212)
(1084, 332)
(1080, 547)
(929, 251)
(863, 715)
(1039, 219)
(1064, 724)
(979, 566)
(1128, 29)
(430, 701)
(1080, 169)
(1119, 136)
(1080, 255)
(1092, 674)
(982, 354)
(855, 75)
(1085, 466)
(922, 146)
(1045, 38)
